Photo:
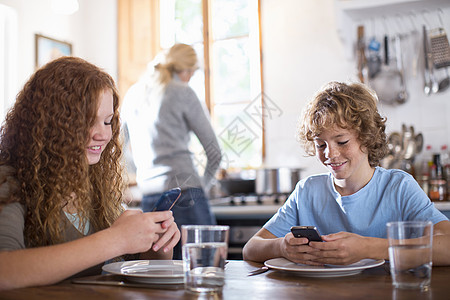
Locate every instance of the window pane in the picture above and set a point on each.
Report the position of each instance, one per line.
(181, 22)
(197, 82)
(235, 71)
(230, 18)
(231, 71)
(188, 21)
(239, 135)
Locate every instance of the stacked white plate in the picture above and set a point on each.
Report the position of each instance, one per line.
(322, 271)
(149, 271)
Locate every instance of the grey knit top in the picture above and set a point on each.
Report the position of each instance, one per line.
(160, 126)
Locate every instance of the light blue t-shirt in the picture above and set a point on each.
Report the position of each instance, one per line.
(391, 195)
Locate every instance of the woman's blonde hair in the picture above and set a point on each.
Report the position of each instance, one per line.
(348, 106)
(180, 57)
(43, 147)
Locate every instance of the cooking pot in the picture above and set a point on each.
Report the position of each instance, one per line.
(276, 181)
(236, 186)
(287, 179)
(266, 181)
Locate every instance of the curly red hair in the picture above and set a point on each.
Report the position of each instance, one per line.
(44, 140)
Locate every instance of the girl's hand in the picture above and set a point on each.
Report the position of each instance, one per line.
(169, 238)
(136, 232)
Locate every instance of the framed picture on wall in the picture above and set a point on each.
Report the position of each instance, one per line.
(48, 49)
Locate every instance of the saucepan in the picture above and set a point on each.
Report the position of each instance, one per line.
(276, 180)
(237, 186)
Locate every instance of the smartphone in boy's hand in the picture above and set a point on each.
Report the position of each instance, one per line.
(309, 232)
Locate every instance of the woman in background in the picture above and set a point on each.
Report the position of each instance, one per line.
(61, 187)
(160, 113)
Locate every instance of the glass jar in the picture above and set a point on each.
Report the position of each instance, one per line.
(438, 190)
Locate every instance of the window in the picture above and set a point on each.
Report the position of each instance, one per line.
(225, 34)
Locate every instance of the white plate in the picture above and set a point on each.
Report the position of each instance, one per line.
(322, 271)
(149, 271)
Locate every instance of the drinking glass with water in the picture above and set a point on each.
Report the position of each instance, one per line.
(205, 249)
(410, 249)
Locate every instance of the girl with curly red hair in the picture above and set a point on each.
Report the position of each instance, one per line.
(61, 185)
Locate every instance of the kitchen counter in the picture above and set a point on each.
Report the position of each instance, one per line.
(266, 210)
(243, 210)
(444, 207)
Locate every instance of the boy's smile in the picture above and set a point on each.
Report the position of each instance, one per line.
(340, 151)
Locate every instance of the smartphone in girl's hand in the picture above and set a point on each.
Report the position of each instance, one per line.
(167, 200)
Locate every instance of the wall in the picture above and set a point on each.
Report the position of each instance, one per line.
(301, 52)
(303, 49)
(92, 31)
(95, 28)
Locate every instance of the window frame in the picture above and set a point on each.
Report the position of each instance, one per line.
(208, 40)
(139, 41)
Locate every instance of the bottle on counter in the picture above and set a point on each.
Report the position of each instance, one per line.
(445, 158)
(438, 184)
(423, 174)
(427, 160)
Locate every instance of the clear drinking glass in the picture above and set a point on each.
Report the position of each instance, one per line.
(410, 249)
(205, 249)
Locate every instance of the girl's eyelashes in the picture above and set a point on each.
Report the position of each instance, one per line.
(343, 143)
(109, 122)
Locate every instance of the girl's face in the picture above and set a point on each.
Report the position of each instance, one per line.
(339, 150)
(101, 132)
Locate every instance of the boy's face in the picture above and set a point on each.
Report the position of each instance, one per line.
(339, 150)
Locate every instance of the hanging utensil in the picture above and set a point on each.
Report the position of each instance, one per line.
(361, 55)
(439, 46)
(432, 83)
(374, 61)
(403, 94)
(427, 82)
(389, 82)
(444, 83)
(440, 49)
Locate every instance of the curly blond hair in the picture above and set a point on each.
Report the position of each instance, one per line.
(43, 140)
(348, 106)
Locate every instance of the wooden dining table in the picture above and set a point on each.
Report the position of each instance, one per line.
(373, 283)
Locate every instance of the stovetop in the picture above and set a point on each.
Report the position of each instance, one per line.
(247, 205)
(250, 200)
